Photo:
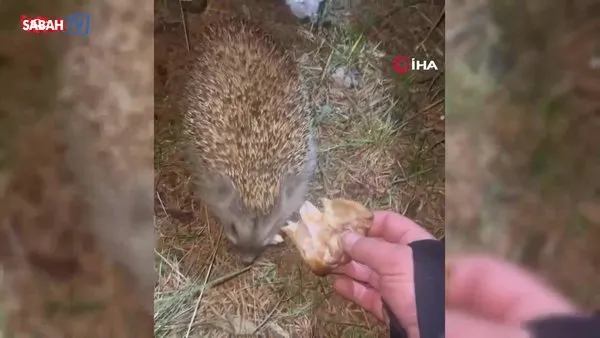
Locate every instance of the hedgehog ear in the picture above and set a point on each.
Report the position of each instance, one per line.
(294, 190)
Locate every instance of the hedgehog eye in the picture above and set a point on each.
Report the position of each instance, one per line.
(235, 206)
(223, 188)
(232, 234)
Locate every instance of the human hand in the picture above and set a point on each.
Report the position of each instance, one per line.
(382, 268)
(486, 297)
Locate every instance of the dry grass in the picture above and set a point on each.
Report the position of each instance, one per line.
(374, 147)
(523, 132)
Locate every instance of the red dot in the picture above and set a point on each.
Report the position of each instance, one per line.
(402, 64)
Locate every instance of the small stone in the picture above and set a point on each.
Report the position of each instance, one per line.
(347, 78)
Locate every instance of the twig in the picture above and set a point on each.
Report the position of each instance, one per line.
(437, 143)
(162, 204)
(273, 311)
(347, 324)
(437, 23)
(267, 318)
(185, 31)
(432, 82)
(173, 268)
(432, 105)
(223, 279)
(212, 260)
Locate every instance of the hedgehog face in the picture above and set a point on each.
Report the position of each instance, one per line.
(251, 232)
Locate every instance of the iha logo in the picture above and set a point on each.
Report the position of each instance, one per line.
(404, 64)
(76, 23)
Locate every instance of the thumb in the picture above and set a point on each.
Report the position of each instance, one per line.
(461, 325)
(381, 256)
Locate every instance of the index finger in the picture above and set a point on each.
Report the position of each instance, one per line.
(396, 228)
(383, 257)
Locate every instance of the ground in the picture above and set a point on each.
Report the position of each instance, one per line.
(523, 144)
(381, 143)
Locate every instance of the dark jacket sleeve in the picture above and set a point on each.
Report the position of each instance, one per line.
(428, 257)
(565, 327)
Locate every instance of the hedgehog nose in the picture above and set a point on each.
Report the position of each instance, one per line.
(247, 260)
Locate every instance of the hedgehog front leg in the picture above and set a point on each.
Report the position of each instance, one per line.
(276, 240)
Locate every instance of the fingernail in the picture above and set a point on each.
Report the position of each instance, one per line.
(349, 239)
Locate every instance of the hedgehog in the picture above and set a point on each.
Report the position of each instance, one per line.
(248, 133)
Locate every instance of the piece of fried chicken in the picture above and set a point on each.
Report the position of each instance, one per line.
(318, 235)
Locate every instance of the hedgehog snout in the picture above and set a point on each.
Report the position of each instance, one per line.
(248, 258)
(249, 253)
(246, 237)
